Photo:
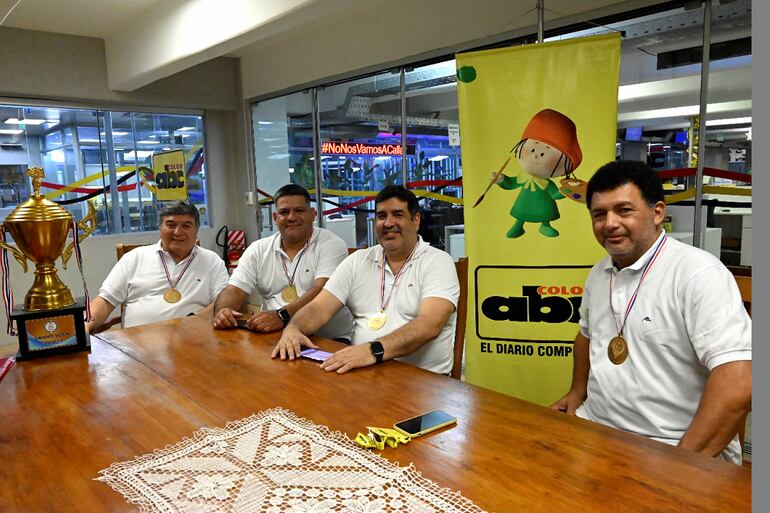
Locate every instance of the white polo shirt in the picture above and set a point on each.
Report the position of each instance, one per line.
(688, 318)
(138, 281)
(260, 267)
(430, 273)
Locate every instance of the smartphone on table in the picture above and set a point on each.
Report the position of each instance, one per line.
(425, 423)
(315, 354)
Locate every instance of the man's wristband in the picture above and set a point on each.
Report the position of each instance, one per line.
(284, 315)
(377, 350)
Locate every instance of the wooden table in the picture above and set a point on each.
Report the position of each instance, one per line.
(64, 418)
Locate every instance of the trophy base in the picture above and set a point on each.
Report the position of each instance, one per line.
(51, 332)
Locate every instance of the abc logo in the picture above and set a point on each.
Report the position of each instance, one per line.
(172, 177)
(533, 307)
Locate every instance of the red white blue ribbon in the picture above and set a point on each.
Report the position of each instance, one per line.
(384, 301)
(171, 283)
(290, 279)
(646, 270)
(79, 260)
(6, 285)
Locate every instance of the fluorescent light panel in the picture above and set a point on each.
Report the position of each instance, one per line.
(11, 131)
(17, 121)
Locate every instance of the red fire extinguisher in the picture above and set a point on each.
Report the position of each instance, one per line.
(233, 244)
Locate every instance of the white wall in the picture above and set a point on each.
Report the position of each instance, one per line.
(72, 69)
(57, 66)
(396, 31)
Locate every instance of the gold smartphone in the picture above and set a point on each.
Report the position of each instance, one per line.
(425, 423)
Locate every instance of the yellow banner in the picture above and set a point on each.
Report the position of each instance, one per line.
(536, 122)
(169, 175)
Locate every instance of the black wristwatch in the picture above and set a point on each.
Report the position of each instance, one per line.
(377, 350)
(284, 315)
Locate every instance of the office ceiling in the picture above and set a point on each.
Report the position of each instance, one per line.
(148, 39)
(76, 17)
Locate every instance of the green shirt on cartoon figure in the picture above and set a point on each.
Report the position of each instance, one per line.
(548, 148)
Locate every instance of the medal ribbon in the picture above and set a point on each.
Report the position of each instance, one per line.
(631, 302)
(79, 260)
(168, 276)
(290, 279)
(384, 302)
(6, 285)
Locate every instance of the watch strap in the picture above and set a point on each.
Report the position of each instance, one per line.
(377, 350)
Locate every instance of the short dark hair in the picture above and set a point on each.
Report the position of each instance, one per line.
(400, 192)
(181, 208)
(291, 189)
(620, 172)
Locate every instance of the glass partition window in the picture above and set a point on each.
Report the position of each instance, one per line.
(658, 120)
(360, 138)
(435, 165)
(104, 157)
(283, 148)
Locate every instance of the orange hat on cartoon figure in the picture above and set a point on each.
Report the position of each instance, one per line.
(549, 145)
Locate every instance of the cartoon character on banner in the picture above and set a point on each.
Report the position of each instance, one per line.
(548, 148)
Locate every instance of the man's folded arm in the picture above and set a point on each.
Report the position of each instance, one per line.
(725, 402)
(227, 307)
(307, 297)
(100, 310)
(433, 315)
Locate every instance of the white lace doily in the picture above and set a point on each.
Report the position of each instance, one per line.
(276, 462)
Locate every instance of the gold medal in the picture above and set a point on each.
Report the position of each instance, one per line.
(617, 350)
(377, 321)
(172, 296)
(289, 294)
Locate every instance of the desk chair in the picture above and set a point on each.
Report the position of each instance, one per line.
(120, 250)
(462, 313)
(744, 286)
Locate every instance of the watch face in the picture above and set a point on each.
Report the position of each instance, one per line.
(284, 314)
(377, 350)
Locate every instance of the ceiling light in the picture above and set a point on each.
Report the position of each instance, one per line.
(11, 131)
(728, 121)
(185, 129)
(114, 133)
(438, 158)
(147, 142)
(17, 121)
(688, 110)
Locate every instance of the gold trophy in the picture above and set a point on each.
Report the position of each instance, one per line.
(51, 318)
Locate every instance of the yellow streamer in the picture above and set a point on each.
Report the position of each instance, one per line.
(119, 170)
(707, 189)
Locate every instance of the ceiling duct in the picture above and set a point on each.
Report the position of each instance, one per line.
(694, 54)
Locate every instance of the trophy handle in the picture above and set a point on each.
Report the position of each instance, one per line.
(87, 226)
(16, 253)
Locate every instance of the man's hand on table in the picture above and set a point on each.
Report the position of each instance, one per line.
(226, 318)
(265, 321)
(349, 358)
(291, 343)
(570, 402)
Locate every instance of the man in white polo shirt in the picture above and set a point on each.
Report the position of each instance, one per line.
(170, 279)
(664, 348)
(288, 269)
(402, 294)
